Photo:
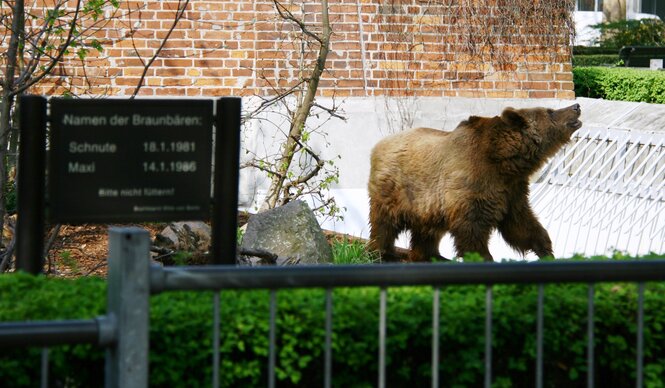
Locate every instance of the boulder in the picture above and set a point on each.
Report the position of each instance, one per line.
(189, 236)
(289, 234)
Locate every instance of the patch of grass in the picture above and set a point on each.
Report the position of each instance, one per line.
(240, 234)
(348, 251)
(67, 260)
(182, 258)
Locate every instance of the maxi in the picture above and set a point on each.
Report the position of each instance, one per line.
(80, 168)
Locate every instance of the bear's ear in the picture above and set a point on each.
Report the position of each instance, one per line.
(513, 118)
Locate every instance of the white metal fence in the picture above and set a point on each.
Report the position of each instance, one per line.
(605, 191)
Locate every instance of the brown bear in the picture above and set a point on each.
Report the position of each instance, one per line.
(467, 182)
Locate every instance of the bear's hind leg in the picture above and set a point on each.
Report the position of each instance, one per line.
(472, 238)
(382, 239)
(383, 232)
(425, 245)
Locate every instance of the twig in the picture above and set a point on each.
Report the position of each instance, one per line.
(287, 15)
(101, 264)
(9, 252)
(261, 253)
(7, 255)
(176, 20)
(49, 244)
(56, 60)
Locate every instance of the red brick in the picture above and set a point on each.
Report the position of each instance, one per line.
(542, 94)
(403, 53)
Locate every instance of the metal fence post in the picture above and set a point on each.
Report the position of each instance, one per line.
(128, 302)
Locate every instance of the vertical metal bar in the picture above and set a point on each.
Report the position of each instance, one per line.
(215, 340)
(435, 336)
(327, 383)
(31, 184)
(382, 338)
(590, 337)
(539, 337)
(44, 381)
(129, 304)
(488, 337)
(272, 336)
(225, 185)
(640, 335)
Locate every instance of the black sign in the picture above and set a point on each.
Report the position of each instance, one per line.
(130, 161)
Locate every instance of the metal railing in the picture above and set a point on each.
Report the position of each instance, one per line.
(605, 190)
(131, 280)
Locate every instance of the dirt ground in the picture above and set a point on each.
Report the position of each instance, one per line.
(82, 250)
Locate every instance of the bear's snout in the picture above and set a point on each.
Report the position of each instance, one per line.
(569, 116)
(576, 108)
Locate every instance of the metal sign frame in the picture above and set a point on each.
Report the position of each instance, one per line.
(109, 141)
(129, 160)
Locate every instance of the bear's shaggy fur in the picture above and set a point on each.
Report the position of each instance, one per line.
(466, 182)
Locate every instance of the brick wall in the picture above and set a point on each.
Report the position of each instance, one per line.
(379, 47)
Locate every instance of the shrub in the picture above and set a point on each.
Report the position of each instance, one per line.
(595, 56)
(596, 60)
(621, 84)
(644, 32)
(594, 50)
(181, 332)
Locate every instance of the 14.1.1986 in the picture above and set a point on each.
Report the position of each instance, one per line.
(179, 166)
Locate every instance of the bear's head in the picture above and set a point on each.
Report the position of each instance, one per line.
(525, 138)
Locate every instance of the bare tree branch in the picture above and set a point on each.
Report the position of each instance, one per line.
(61, 52)
(287, 15)
(182, 7)
(304, 108)
(267, 102)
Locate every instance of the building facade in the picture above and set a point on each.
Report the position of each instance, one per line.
(503, 49)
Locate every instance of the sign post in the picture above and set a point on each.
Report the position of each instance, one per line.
(30, 185)
(227, 156)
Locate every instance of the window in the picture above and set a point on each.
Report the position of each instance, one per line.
(590, 5)
(656, 7)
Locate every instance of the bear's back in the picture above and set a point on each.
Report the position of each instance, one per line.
(415, 138)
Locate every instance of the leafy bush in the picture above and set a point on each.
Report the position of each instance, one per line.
(621, 84)
(24, 297)
(594, 50)
(181, 332)
(645, 32)
(596, 60)
(595, 56)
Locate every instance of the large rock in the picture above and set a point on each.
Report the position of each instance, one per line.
(289, 232)
(192, 237)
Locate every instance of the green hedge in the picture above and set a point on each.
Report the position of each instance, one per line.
(180, 354)
(595, 56)
(595, 50)
(596, 60)
(623, 84)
